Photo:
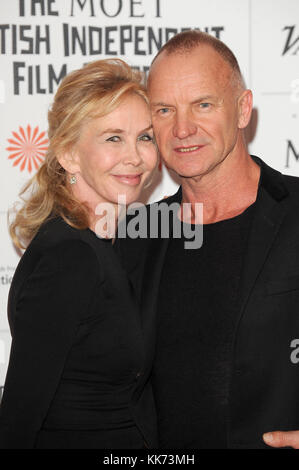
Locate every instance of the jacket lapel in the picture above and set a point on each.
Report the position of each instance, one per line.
(269, 214)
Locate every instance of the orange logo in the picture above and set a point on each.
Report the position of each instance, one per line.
(28, 148)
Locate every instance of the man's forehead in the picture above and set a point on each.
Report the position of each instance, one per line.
(200, 54)
(187, 79)
(200, 63)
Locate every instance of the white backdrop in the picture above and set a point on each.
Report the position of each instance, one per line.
(40, 40)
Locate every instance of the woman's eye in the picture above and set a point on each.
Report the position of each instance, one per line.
(114, 138)
(146, 138)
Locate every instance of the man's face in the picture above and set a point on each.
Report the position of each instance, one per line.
(195, 111)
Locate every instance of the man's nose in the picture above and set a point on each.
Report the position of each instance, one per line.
(184, 126)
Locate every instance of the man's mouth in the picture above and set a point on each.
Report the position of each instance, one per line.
(188, 149)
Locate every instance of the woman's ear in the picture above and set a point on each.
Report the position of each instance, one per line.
(245, 108)
(69, 161)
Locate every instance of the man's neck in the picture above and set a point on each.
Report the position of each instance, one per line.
(227, 190)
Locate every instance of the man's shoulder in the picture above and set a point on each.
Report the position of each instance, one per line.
(279, 186)
(292, 183)
(292, 200)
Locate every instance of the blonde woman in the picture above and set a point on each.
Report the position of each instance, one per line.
(75, 372)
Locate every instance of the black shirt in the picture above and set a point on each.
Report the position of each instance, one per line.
(197, 312)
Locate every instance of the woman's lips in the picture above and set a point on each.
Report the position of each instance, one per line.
(131, 180)
(187, 150)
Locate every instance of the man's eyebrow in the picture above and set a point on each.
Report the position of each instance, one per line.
(197, 100)
(163, 105)
(203, 98)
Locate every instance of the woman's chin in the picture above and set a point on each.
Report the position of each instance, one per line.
(127, 197)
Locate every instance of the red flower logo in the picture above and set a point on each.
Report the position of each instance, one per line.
(28, 148)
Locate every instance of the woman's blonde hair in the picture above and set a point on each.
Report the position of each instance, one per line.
(92, 91)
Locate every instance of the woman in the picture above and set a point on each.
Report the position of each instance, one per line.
(75, 369)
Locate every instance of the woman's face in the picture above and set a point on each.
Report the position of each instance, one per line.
(115, 154)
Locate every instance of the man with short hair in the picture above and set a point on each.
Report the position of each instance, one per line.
(218, 321)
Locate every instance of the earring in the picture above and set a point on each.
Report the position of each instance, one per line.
(73, 179)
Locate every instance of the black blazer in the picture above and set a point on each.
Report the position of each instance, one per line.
(77, 354)
(264, 385)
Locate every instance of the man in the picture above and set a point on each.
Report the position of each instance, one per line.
(220, 321)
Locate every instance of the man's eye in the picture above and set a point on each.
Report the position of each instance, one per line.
(205, 105)
(163, 110)
(114, 138)
(146, 138)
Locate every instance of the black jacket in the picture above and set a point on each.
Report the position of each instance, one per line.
(77, 350)
(264, 384)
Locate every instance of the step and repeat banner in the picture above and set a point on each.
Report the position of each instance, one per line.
(42, 40)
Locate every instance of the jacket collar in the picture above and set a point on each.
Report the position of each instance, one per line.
(271, 180)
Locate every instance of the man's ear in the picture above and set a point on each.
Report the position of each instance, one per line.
(69, 161)
(244, 108)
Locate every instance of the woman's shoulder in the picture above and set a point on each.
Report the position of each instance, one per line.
(55, 259)
(55, 231)
(58, 246)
